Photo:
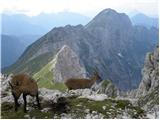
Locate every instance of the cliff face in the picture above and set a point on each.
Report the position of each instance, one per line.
(148, 91)
(150, 73)
(67, 65)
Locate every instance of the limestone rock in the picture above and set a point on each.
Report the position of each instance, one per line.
(108, 88)
(150, 74)
(67, 65)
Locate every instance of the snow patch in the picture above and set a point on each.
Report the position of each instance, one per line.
(120, 55)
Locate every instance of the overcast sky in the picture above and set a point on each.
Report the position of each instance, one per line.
(84, 7)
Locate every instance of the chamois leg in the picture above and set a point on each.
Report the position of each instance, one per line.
(37, 99)
(25, 102)
(16, 102)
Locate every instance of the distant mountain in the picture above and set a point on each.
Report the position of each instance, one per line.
(109, 43)
(28, 39)
(142, 19)
(20, 24)
(14, 46)
(50, 20)
(11, 49)
(29, 29)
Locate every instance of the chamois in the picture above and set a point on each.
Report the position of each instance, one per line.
(81, 83)
(23, 84)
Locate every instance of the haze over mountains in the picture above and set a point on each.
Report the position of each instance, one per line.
(109, 42)
(20, 24)
(28, 29)
(142, 19)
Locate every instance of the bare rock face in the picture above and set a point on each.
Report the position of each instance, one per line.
(150, 73)
(67, 65)
(107, 87)
(148, 91)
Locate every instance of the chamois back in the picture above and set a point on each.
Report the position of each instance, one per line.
(81, 83)
(24, 83)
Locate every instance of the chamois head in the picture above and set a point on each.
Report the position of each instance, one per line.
(96, 76)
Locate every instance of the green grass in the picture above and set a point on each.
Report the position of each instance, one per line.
(112, 107)
(30, 67)
(7, 112)
(45, 77)
(105, 83)
(77, 107)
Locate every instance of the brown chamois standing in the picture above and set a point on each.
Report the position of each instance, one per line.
(81, 83)
(23, 84)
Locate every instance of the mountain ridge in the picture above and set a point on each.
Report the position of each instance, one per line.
(96, 45)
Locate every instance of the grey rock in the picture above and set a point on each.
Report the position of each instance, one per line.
(107, 87)
(150, 74)
(67, 65)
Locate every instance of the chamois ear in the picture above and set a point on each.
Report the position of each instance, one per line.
(10, 85)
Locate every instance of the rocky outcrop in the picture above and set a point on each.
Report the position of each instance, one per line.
(106, 87)
(80, 103)
(147, 93)
(67, 65)
(150, 73)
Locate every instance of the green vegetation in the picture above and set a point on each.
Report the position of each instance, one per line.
(30, 67)
(78, 108)
(112, 107)
(105, 83)
(45, 77)
(7, 112)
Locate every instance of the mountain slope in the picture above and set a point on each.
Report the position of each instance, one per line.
(122, 49)
(109, 42)
(11, 49)
(141, 19)
(64, 65)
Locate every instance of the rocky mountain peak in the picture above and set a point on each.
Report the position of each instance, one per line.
(109, 18)
(67, 65)
(108, 11)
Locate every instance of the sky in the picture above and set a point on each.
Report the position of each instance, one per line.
(85, 7)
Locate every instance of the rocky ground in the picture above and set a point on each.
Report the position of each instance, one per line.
(81, 103)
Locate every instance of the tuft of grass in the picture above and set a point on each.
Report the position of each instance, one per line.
(122, 104)
(105, 83)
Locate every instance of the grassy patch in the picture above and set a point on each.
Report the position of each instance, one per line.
(105, 83)
(112, 107)
(78, 108)
(7, 112)
(31, 66)
(45, 77)
(122, 104)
